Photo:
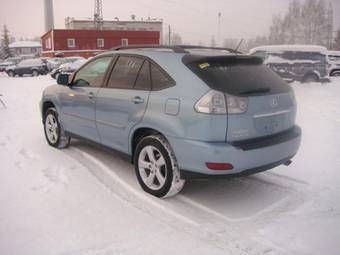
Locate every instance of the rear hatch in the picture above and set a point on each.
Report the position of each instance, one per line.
(270, 101)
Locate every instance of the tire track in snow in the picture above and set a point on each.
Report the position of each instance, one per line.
(229, 237)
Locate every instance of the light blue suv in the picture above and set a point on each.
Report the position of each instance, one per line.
(178, 112)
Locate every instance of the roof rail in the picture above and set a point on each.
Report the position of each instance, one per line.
(175, 48)
(184, 46)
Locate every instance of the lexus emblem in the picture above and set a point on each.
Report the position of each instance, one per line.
(273, 102)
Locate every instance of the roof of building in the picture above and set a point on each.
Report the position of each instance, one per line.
(25, 44)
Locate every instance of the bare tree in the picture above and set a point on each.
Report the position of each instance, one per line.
(336, 45)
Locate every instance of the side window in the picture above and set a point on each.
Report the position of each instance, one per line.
(143, 81)
(159, 79)
(125, 72)
(93, 73)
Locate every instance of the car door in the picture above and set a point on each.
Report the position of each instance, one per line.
(21, 67)
(78, 101)
(122, 104)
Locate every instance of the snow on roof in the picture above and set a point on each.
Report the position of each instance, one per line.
(278, 60)
(25, 44)
(287, 47)
(333, 53)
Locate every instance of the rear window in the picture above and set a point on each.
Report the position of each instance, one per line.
(241, 77)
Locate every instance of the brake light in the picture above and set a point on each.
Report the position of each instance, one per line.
(236, 104)
(212, 102)
(219, 166)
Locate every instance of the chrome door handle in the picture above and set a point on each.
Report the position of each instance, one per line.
(90, 95)
(138, 100)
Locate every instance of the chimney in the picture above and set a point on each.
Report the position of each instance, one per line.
(49, 19)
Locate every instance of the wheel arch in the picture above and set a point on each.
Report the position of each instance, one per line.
(45, 106)
(334, 71)
(138, 134)
(311, 72)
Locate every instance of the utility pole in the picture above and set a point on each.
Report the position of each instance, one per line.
(169, 35)
(219, 29)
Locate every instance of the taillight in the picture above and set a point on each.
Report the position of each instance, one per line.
(236, 104)
(213, 102)
(219, 166)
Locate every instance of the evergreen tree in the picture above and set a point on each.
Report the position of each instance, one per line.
(5, 41)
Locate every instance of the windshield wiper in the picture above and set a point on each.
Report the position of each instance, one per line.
(255, 91)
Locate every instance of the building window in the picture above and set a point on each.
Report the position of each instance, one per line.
(100, 42)
(71, 43)
(125, 42)
(48, 43)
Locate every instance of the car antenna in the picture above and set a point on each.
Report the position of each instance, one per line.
(239, 44)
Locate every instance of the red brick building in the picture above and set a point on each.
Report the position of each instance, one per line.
(87, 43)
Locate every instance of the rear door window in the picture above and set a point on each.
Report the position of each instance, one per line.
(160, 80)
(143, 81)
(125, 72)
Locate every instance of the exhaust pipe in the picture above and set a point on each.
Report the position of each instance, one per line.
(288, 162)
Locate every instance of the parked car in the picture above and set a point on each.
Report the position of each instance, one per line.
(56, 62)
(33, 67)
(304, 63)
(334, 63)
(176, 114)
(8, 62)
(67, 68)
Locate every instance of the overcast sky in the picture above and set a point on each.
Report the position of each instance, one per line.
(195, 20)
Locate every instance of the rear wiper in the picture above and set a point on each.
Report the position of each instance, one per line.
(255, 91)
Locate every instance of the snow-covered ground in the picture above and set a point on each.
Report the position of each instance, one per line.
(86, 200)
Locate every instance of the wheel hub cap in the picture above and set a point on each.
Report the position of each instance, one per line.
(152, 168)
(51, 128)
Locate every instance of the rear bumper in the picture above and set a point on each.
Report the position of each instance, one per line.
(246, 157)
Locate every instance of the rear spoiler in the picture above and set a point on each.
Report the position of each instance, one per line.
(228, 59)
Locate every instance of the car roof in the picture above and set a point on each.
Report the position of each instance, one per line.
(161, 53)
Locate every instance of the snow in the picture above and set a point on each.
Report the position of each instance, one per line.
(278, 60)
(25, 44)
(288, 47)
(86, 200)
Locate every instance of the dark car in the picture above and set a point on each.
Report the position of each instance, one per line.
(303, 63)
(33, 67)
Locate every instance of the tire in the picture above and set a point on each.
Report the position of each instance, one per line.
(54, 132)
(10, 73)
(56, 76)
(156, 167)
(335, 73)
(310, 78)
(35, 73)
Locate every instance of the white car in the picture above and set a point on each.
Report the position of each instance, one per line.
(334, 63)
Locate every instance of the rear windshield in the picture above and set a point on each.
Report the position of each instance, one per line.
(240, 78)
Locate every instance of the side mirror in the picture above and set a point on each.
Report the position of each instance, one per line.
(63, 79)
